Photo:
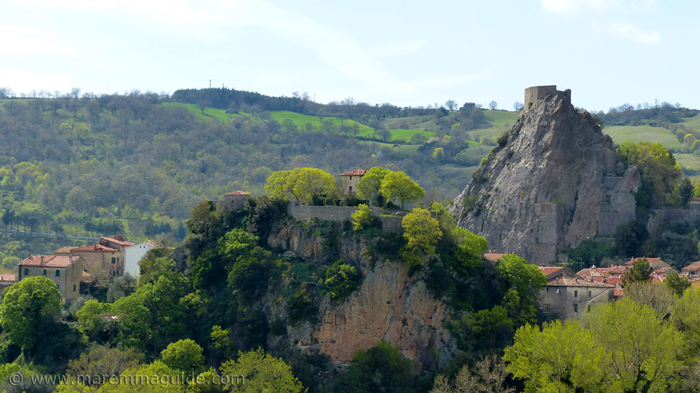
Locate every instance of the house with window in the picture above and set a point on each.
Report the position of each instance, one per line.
(568, 297)
(693, 269)
(350, 180)
(64, 271)
(6, 280)
(133, 255)
(103, 260)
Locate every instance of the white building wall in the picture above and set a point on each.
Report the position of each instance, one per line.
(132, 256)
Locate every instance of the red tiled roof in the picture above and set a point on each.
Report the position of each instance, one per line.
(693, 267)
(650, 260)
(49, 260)
(694, 199)
(237, 193)
(613, 280)
(356, 172)
(116, 241)
(64, 250)
(618, 269)
(547, 270)
(493, 256)
(7, 277)
(664, 270)
(95, 248)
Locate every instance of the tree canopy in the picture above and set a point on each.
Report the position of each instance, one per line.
(397, 185)
(301, 183)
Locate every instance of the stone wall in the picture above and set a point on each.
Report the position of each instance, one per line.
(342, 213)
(535, 93)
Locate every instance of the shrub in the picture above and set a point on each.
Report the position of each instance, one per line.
(301, 308)
(361, 218)
(341, 280)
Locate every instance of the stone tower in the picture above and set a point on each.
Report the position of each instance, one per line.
(536, 93)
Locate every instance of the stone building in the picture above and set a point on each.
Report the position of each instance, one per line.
(536, 93)
(566, 297)
(103, 260)
(234, 200)
(6, 280)
(65, 271)
(350, 180)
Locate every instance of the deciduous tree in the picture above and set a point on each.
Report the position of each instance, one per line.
(262, 373)
(397, 185)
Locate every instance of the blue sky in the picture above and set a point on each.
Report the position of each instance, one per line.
(608, 52)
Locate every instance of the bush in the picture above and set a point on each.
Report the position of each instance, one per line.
(301, 308)
(341, 280)
(361, 218)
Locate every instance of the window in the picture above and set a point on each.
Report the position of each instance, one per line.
(58, 273)
(58, 286)
(575, 293)
(73, 288)
(44, 272)
(350, 188)
(117, 259)
(589, 293)
(576, 308)
(26, 271)
(114, 260)
(547, 289)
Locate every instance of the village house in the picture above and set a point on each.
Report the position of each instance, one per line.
(235, 200)
(655, 263)
(568, 297)
(693, 269)
(133, 255)
(554, 272)
(350, 180)
(65, 271)
(6, 280)
(103, 260)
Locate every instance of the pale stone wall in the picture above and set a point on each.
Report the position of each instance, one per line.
(132, 256)
(348, 184)
(99, 263)
(570, 302)
(342, 213)
(233, 202)
(535, 93)
(67, 279)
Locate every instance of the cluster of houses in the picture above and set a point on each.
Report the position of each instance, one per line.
(568, 294)
(67, 267)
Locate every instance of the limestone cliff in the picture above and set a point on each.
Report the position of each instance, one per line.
(552, 182)
(390, 305)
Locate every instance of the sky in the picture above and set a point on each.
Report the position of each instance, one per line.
(407, 53)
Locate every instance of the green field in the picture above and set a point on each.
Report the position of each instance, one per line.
(209, 113)
(643, 134)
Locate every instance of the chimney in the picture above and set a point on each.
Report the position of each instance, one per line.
(42, 260)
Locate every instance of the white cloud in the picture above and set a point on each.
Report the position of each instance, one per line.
(633, 33)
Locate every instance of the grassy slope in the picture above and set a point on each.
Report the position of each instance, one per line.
(643, 134)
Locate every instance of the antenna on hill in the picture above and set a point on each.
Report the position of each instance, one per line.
(210, 83)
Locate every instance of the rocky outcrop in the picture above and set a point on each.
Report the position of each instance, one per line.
(553, 182)
(390, 305)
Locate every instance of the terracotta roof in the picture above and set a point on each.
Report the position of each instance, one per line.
(618, 269)
(547, 270)
(356, 172)
(237, 193)
(94, 248)
(49, 260)
(493, 256)
(664, 270)
(693, 267)
(613, 280)
(116, 241)
(650, 260)
(576, 282)
(7, 277)
(694, 199)
(64, 250)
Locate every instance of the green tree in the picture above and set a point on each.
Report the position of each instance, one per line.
(562, 357)
(184, 355)
(381, 369)
(361, 218)
(640, 271)
(645, 351)
(28, 308)
(525, 278)
(341, 280)
(469, 249)
(262, 373)
(421, 232)
(101, 360)
(370, 185)
(397, 185)
(489, 376)
(301, 183)
(676, 284)
(658, 168)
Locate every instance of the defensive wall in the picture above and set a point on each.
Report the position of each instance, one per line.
(341, 213)
(536, 93)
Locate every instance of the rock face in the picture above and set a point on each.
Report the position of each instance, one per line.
(554, 182)
(389, 305)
